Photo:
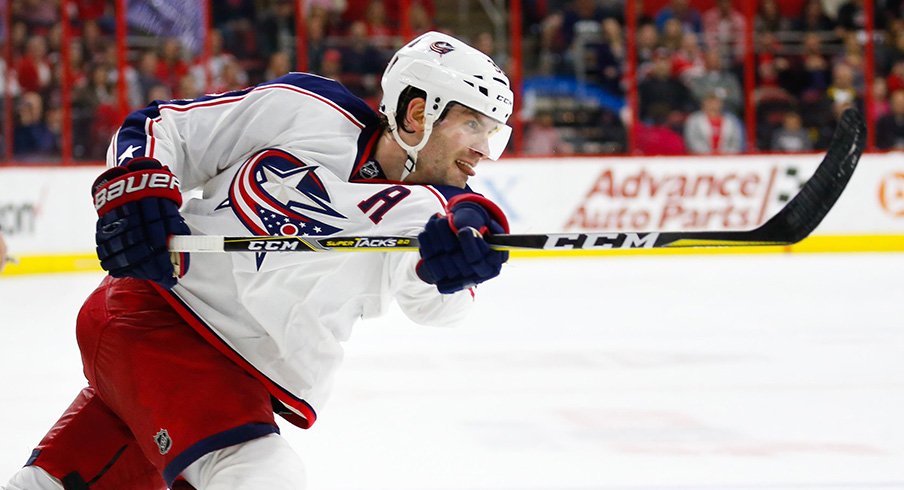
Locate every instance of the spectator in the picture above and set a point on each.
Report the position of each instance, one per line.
(542, 138)
(552, 45)
(276, 29)
(852, 55)
(647, 43)
(688, 16)
(209, 76)
(880, 102)
(842, 90)
(235, 19)
(159, 92)
(723, 29)
(672, 35)
(711, 129)
(841, 95)
(813, 18)
(610, 57)
(890, 127)
(93, 41)
(317, 43)
(188, 88)
(332, 64)
(770, 19)
(814, 66)
(578, 14)
(32, 137)
(895, 79)
(33, 69)
(362, 62)
(658, 137)
(90, 10)
(18, 36)
(11, 88)
(419, 19)
(851, 17)
(77, 65)
(663, 91)
(716, 80)
(688, 62)
(148, 74)
(91, 104)
(771, 52)
(791, 137)
(53, 119)
(278, 65)
(233, 78)
(171, 66)
(377, 28)
(891, 50)
(330, 10)
(486, 44)
(39, 15)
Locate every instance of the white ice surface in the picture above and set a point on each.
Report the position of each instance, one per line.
(701, 372)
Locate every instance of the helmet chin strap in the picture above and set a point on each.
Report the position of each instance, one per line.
(412, 151)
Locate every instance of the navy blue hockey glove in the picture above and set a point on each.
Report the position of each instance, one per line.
(138, 210)
(454, 255)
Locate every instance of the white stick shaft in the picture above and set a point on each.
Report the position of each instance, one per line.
(196, 243)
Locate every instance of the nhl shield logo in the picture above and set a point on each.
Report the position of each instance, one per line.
(164, 443)
(370, 170)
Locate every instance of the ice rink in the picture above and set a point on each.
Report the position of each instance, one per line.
(717, 372)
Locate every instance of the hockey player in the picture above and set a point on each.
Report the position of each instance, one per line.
(186, 365)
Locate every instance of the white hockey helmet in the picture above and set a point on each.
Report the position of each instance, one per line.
(448, 70)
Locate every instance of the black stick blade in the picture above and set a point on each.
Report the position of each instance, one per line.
(808, 208)
(814, 201)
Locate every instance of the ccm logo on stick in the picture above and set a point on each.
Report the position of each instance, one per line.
(273, 245)
(603, 240)
(134, 184)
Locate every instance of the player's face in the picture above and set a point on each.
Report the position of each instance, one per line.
(456, 145)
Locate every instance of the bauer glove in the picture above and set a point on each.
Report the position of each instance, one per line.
(138, 211)
(454, 255)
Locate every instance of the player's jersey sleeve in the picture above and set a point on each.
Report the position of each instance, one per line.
(309, 115)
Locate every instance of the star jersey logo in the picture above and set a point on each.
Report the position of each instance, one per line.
(275, 193)
(127, 154)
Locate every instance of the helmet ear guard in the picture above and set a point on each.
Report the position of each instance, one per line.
(447, 70)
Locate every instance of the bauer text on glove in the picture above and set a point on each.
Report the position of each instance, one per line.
(138, 211)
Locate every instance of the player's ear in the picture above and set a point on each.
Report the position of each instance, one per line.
(414, 115)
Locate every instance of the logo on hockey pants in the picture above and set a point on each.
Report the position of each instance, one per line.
(164, 443)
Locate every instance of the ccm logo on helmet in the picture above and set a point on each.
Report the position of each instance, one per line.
(133, 184)
(504, 100)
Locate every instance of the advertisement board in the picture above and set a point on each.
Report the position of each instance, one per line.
(685, 193)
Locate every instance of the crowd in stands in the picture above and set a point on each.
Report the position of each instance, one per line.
(809, 63)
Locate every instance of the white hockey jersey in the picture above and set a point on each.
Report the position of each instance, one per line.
(290, 156)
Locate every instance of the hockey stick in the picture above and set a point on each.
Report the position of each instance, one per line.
(790, 225)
